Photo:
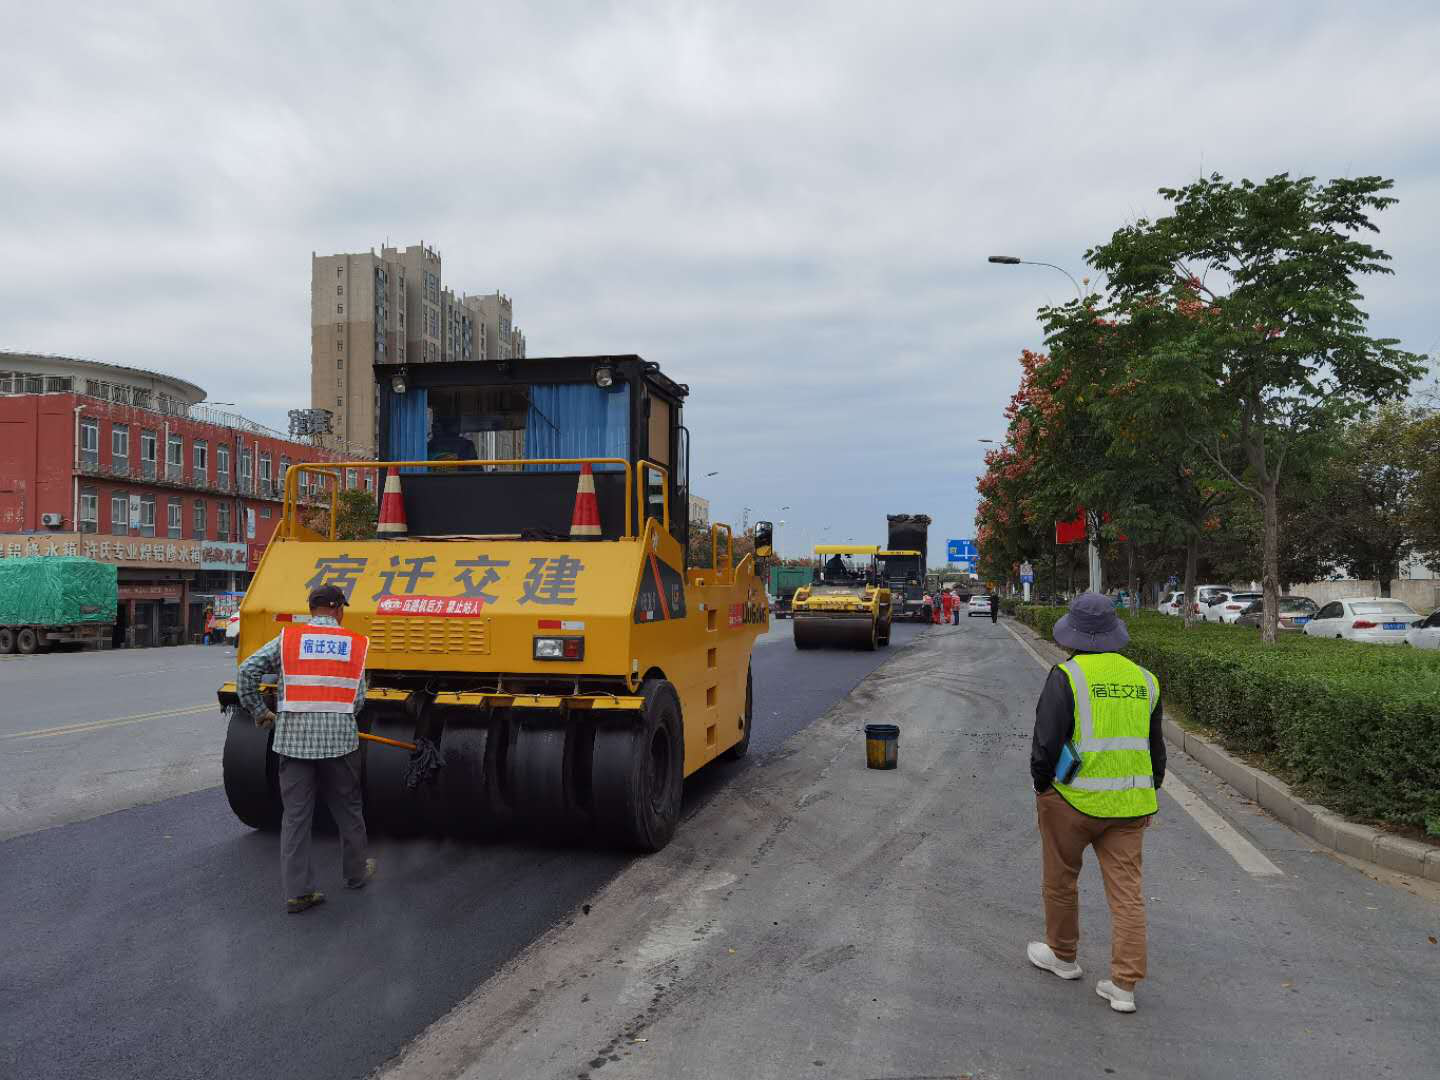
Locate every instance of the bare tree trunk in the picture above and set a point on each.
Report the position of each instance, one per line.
(1270, 582)
(1192, 558)
(1132, 580)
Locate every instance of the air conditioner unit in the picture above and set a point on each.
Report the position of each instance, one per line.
(51, 520)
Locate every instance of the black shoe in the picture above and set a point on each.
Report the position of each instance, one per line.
(363, 880)
(297, 904)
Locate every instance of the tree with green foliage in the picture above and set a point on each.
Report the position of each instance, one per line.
(1244, 309)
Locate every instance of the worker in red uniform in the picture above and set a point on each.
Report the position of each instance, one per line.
(947, 602)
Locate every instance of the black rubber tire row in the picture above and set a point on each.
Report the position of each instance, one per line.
(618, 781)
(25, 641)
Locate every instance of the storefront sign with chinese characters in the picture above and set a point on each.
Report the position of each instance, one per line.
(134, 551)
(215, 555)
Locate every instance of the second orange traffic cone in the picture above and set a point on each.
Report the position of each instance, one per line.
(392, 508)
(585, 521)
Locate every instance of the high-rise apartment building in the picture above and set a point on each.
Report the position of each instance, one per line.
(392, 308)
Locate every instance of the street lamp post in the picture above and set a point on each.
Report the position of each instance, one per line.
(1096, 584)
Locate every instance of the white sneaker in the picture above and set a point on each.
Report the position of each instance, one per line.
(1120, 1000)
(1042, 956)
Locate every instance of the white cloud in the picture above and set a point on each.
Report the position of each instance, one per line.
(787, 206)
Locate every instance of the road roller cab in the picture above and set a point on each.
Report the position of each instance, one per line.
(846, 604)
(528, 605)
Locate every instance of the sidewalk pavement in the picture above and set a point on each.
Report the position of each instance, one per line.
(816, 918)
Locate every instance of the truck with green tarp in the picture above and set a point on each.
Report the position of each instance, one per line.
(784, 580)
(56, 600)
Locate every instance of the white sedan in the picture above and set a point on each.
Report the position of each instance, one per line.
(1426, 633)
(1230, 608)
(1377, 620)
(1170, 603)
(979, 605)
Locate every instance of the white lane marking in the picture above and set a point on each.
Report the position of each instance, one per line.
(1250, 858)
(1028, 647)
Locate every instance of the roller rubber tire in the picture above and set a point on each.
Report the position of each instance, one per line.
(27, 642)
(7, 640)
(542, 774)
(471, 803)
(637, 773)
(391, 807)
(252, 783)
(740, 749)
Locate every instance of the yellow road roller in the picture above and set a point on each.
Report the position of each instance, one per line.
(847, 604)
(533, 624)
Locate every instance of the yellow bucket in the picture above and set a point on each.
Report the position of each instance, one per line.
(882, 744)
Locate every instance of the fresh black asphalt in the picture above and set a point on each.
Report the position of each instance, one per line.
(151, 942)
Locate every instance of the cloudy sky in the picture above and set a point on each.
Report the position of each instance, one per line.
(787, 205)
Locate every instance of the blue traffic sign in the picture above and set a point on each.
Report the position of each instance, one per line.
(961, 551)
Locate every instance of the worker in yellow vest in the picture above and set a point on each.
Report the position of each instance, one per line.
(1097, 760)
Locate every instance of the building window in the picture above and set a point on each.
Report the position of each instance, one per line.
(339, 309)
(265, 468)
(284, 468)
(264, 511)
(119, 513)
(340, 270)
(175, 458)
(147, 446)
(173, 519)
(89, 439)
(222, 520)
(120, 440)
(147, 515)
(339, 344)
(339, 402)
(222, 464)
(199, 521)
(370, 482)
(339, 290)
(89, 510)
(340, 363)
(200, 452)
(350, 479)
(245, 471)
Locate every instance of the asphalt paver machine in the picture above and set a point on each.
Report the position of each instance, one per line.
(532, 617)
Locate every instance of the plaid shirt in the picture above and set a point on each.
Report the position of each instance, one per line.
(298, 735)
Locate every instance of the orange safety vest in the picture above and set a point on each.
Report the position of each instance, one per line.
(321, 668)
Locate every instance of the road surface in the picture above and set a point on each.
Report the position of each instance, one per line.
(151, 942)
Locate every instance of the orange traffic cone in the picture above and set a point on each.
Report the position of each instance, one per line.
(585, 522)
(392, 508)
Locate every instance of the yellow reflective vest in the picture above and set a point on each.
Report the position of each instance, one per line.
(1114, 697)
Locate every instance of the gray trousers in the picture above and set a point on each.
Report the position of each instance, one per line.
(337, 781)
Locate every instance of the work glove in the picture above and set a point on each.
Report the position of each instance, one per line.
(265, 719)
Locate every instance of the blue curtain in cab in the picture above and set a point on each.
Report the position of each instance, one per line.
(407, 435)
(572, 420)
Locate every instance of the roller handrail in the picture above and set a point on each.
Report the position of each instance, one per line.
(292, 478)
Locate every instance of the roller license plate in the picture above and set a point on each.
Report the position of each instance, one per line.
(1395, 626)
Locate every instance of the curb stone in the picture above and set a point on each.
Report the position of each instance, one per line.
(1325, 827)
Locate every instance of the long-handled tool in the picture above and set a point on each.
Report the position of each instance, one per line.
(425, 759)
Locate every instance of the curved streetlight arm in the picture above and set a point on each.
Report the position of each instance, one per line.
(1013, 260)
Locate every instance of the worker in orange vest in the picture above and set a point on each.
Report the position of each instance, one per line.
(947, 600)
(322, 686)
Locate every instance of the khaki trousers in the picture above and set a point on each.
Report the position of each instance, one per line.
(1064, 835)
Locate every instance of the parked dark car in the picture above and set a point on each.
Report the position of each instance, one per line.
(1295, 612)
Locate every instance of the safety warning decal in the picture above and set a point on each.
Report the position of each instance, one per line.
(447, 607)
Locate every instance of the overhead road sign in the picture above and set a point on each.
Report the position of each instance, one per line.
(961, 551)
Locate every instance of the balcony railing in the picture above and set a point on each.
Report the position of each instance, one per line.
(120, 467)
(147, 470)
(174, 473)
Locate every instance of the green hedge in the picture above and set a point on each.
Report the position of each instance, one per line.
(1356, 725)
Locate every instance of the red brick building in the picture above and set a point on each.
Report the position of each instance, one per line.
(115, 464)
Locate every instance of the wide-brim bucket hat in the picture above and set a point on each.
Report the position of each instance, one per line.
(1091, 625)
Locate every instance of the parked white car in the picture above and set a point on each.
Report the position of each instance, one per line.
(1205, 595)
(1378, 620)
(1425, 634)
(1170, 603)
(232, 629)
(1232, 605)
